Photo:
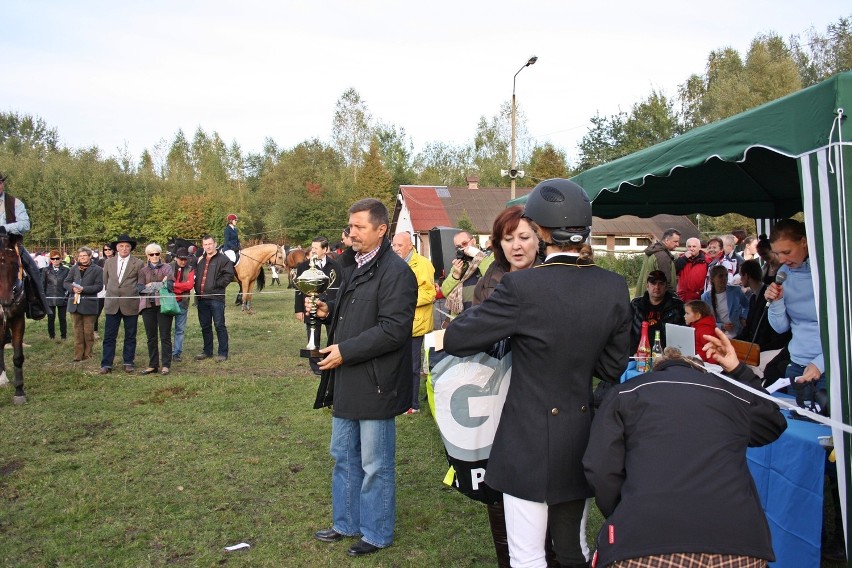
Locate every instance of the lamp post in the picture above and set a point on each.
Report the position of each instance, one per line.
(513, 172)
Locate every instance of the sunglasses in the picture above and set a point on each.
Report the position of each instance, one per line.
(55, 258)
(153, 254)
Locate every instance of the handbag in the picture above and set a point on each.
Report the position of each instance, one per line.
(168, 303)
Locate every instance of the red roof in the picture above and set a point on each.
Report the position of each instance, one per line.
(425, 206)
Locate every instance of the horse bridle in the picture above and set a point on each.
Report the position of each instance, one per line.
(277, 265)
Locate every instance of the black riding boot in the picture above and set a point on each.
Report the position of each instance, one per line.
(497, 520)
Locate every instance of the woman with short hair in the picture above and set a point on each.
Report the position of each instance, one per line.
(158, 326)
(83, 282)
(53, 281)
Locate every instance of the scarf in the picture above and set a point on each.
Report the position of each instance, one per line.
(455, 304)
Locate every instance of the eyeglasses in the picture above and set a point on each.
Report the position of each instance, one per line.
(153, 254)
(55, 258)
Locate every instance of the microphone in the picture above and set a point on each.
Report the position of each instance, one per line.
(779, 279)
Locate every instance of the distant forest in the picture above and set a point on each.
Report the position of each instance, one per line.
(78, 196)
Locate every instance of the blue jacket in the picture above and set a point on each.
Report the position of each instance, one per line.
(737, 307)
(796, 311)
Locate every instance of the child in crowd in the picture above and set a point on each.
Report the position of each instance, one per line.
(727, 302)
(700, 318)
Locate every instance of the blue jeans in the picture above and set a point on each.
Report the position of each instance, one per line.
(363, 491)
(180, 326)
(212, 314)
(111, 325)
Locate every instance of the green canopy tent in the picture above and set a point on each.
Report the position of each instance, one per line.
(766, 163)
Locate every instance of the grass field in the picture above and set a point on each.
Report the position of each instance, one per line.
(126, 470)
(130, 471)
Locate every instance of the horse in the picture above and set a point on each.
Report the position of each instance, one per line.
(250, 268)
(175, 243)
(12, 312)
(295, 257)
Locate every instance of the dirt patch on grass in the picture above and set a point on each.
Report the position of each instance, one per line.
(160, 396)
(11, 467)
(97, 427)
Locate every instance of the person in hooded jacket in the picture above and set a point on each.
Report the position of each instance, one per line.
(658, 256)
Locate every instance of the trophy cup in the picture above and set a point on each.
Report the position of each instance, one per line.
(312, 282)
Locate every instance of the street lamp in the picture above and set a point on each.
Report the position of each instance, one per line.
(513, 172)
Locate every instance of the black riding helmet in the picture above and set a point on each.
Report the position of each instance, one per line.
(562, 206)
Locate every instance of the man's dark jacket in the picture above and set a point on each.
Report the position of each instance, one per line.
(672, 310)
(219, 275)
(371, 321)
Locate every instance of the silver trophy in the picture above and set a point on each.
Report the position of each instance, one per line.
(312, 282)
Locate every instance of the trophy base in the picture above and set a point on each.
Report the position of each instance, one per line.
(308, 353)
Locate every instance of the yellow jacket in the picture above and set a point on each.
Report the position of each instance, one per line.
(425, 274)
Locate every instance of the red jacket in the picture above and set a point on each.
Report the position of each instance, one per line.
(702, 327)
(691, 273)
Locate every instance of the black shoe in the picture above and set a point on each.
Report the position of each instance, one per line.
(176, 358)
(202, 357)
(328, 535)
(362, 548)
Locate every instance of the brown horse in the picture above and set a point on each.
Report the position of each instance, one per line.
(250, 268)
(12, 312)
(295, 257)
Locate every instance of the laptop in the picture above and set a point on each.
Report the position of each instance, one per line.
(681, 337)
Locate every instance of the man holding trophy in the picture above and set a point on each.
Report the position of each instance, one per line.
(320, 260)
(366, 376)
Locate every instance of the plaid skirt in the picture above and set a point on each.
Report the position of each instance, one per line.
(691, 560)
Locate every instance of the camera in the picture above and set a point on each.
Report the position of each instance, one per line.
(460, 255)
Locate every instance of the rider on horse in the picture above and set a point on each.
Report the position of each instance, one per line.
(231, 246)
(15, 220)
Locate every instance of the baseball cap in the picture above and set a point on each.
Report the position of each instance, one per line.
(657, 276)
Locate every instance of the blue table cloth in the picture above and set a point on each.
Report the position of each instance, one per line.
(789, 477)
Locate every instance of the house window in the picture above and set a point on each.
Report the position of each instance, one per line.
(599, 241)
(643, 242)
(622, 241)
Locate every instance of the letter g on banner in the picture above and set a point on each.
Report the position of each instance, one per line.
(469, 396)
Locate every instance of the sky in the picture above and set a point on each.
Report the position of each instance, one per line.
(127, 76)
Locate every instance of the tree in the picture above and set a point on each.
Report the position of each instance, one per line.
(820, 56)
(178, 163)
(397, 153)
(442, 164)
(305, 193)
(546, 162)
(731, 86)
(650, 122)
(20, 132)
(465, 223)
(351, 129)
(375, 181)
